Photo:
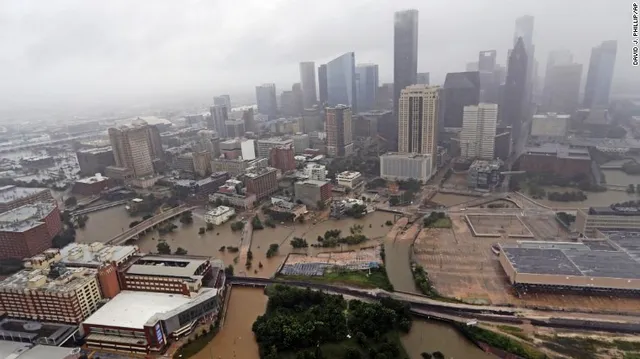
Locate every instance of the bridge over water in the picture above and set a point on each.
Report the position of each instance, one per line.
(148, 224)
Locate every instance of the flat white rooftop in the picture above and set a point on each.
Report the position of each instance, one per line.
(94, 254)
(131, 309)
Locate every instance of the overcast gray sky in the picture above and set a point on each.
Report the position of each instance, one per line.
(77, 50)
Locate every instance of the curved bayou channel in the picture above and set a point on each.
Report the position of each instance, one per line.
(235, 339)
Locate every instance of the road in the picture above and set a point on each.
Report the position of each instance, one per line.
(146, 224)
(461, 313)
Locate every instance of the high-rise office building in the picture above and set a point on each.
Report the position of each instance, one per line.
(249, 120)
(562, 88)
(223, 100)
(512, 108)
(366, 86)
(477, 139)
(308, 80)
(298, 98)
(487, 61)
(132, 149)
(405, 52)
(601, 64)
(524, 30)
(341, 81)
(322, 84)
(266, 99)
(155, 142)
(460, 89)
(558, 57)
(217, 120)
(338, 128)
(418, 120)
(422, 78)
(471, 66)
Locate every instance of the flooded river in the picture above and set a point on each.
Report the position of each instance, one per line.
(235, 340)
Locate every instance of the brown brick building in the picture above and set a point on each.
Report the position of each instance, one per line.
(28, 230)
(560, 160)
(282, 158)
(262, 182)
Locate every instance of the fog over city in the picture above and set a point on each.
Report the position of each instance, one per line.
(69, 52)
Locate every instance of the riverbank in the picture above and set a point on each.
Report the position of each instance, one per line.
(373, 278)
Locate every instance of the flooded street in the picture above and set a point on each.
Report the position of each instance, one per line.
(451, 199)
(235, 340)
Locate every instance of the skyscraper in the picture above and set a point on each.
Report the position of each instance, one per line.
(341, 81)
(524, 30)
(339, 136)
(223, 100)
(477, 139)
(487, 61)
(562, 88)
(298, 98)
(405, 52)
(512, 108)
(308, 80)
(218, 119)
(558, 57)
(418, 120)
(422, 78)
(132, 148)
(366, 86)
(471, 66)
(322, 84)
(266, 99)
(460, 89)
(601, 64)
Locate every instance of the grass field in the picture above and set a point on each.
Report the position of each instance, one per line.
(442, 223)
(362, 279)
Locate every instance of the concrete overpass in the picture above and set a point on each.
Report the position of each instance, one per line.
(99, 207)
(148, 224)
(459, 313)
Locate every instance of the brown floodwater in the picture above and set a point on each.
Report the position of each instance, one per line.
(451, 199)
(235, 339)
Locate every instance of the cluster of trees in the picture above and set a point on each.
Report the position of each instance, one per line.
(435, 355)
(257, 223)
(314, 318)
(356, 211)
(186, 217)
(273, 250)
(376, 183)
(501, 342)
(166, 227)
(298, 242)
(237, 226)
(230, 249)
(82, 220)
(566, 218)
(163, 247)
(567, 196)
(368, 166)
(332, 237)
(269, 222)
(70, 201)
(437, 219)
(228, 271)
(219, 202)
(68, 234)
(421, 279)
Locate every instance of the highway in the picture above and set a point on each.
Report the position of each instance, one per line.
(99, 207)
(147, 224)
(461, 313)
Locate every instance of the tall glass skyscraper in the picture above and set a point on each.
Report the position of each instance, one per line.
(341, 81)
(308, 80)
(366, 86)
(405, 52)
(601, 64)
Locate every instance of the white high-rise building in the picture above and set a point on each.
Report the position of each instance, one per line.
(418, 120)
(478, 134)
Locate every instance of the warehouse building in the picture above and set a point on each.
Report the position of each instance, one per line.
(604, 266)
(607, 218)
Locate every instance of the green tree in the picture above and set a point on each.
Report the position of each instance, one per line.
(133, 224)
(209, 226)
(249, 255)
(186, 217)
(228, 271)
(82, 220)
(394, 201)
(181, 251)
(201, 230)
(425, 355)
(273, 250)
(71, 201)
(438, 355)
(256, 223)
(298, 242)
(163, 248)
(321, 205)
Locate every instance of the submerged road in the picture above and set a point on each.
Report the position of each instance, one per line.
(461, 313)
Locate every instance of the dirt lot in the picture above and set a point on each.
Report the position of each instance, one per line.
(499, 224)
(464, 267)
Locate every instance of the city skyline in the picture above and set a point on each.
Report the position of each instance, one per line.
(371, 40)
